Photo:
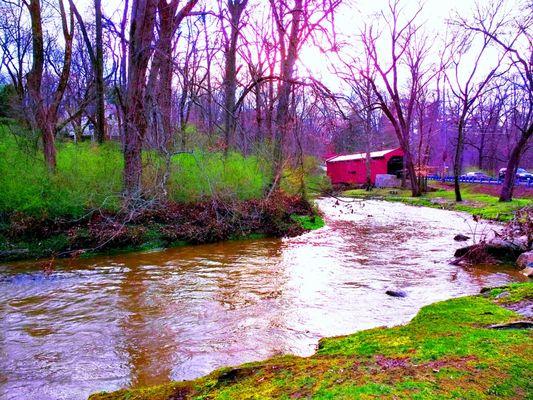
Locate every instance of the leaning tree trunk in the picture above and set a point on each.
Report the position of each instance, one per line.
(458, 160)
(512, 165)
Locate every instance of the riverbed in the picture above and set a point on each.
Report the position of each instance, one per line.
(146, 318)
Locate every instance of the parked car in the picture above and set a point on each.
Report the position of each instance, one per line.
(476, 175)
(521, 174)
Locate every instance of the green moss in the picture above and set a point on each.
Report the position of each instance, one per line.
(515, 293)
(251, 236)
(486, 206)
(447, 351)
(309, 222)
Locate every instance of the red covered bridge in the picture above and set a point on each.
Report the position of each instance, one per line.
(351, 169)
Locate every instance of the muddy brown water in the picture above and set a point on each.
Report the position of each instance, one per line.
(147, 318)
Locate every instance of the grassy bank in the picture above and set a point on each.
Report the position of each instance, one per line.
(474, 201)
(89, 176)
(164, 225)
(447, 351)
(209, 196)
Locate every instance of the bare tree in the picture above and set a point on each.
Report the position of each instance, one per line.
(140, 51)
(467, 82)
(294, 26)
(99, 72)
(235, 10)
(47, 113)
(485, 122)
(96, 55)
(363, 104)
(513, 35)
(409, 48)
(15, 44)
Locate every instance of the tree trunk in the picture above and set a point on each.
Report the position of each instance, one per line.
(49, 147)
(99, 75)
(141, 36)
(512, 165)
(481, 150)
(283, 118)
(410, 166)
(34, 81)
(160, 81)
(235, 8)
(368, 166)
(458, 160)
(46, 115)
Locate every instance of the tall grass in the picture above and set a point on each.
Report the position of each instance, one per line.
(201, 175)
(87, 176)
(90, 176)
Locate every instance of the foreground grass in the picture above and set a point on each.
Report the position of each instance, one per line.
(485, 205)
(446, 352)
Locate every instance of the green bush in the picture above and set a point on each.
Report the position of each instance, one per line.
(201, 175)
(310, 174)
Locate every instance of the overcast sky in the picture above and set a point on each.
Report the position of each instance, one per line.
(350, 17)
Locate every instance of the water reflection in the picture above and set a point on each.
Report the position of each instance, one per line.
(141, 319)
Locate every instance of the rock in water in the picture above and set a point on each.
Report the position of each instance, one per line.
(491, 252)
(461, 238)
(527, 272)
(502, 295)
(396, 293)
(525, 260)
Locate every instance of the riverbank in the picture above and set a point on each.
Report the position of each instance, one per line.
(476, 200)
(163, 225)
(458, 348)
(197, 196)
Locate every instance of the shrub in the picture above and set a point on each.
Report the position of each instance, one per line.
(201, 175)
(310, 174)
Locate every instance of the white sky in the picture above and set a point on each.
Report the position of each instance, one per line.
(353, 14)
(350, 17)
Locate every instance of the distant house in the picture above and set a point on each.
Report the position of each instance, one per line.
(351, 169)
